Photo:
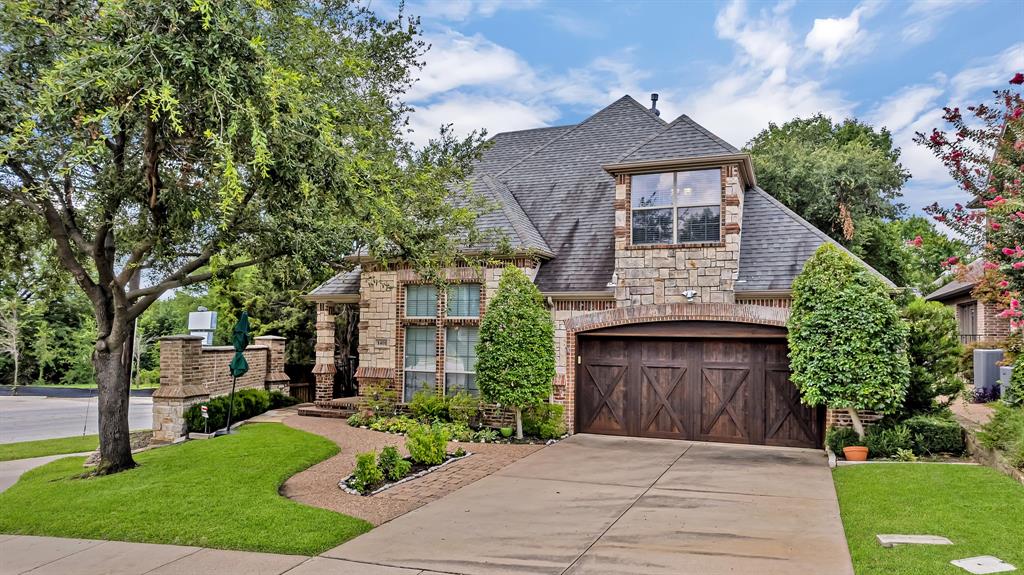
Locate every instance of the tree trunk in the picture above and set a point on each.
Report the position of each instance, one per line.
(112, 367)
(519, 423)
(857, 425)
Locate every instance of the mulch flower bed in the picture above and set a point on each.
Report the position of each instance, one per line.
(417, 470)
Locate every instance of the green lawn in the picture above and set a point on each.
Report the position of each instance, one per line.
(978, 508)
(220, 493)
(61, 445)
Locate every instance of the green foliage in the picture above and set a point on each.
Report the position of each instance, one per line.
(516, 349)
(463, 408)
(392, 465)
(361, 419)
(905, 455)
(934, 350)
(487, 435)
(367, 473)
(427, 444)
(933, 434)
(279, 400)
(248, 403)
(506, 432)
(380, 399)
(428, 406)
(1014, 395)
(1005, 432)
(839, 437)
(397, 424)
(846, 339)
(887, 441)
(461, 432)
(544, 421)
(835, 175)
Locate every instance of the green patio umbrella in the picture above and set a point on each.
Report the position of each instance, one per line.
(238, 365)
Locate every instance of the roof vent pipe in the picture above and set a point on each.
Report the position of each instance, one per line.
(654, 104)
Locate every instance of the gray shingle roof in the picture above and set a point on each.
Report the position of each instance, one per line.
(961, 285)
(345, 283)
(683, 138)
(508, 217)
(568, 196)
(508, 148)
(775, 243)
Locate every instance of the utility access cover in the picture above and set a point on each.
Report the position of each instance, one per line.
(983, 564)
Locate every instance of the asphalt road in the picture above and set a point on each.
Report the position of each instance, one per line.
(26, 418)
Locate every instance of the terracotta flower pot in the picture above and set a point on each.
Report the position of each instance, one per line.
(855, 453)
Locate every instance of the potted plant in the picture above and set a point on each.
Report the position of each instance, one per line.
(856, 452)
(506, 432)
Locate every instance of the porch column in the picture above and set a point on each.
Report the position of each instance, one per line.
(324, 369)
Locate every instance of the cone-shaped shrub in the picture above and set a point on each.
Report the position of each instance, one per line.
(847, 342)
(516, 350)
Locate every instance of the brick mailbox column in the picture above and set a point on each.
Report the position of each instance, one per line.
(179, 388)
(325, 368)
(276, 378)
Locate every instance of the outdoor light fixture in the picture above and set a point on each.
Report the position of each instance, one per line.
(690, 294)
(615, 280)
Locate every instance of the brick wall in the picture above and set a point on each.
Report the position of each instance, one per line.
(662, 274)
(990, 325)
(191, 373)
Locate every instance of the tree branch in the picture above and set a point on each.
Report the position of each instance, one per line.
(146, 296)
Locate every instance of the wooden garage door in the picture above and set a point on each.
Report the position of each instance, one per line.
(731, 390)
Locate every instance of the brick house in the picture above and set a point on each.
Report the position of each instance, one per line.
(666, 268)
(975, 320)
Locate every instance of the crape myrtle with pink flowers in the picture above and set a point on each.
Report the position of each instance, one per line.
(983, 148)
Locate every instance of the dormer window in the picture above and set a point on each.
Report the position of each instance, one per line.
(677, 207)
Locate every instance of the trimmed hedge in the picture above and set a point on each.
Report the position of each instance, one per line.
(930, 434)
(248, 403)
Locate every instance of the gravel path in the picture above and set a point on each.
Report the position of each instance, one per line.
(318, 485)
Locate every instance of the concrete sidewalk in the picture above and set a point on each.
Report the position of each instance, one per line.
(11, 471)
(57, 556)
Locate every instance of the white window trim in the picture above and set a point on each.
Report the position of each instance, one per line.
(675, 211)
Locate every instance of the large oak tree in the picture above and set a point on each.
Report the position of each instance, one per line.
(176, 141)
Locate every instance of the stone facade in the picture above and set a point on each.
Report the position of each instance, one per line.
(191, 373)
(657, 274)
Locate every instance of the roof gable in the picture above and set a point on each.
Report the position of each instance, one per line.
(683, 138)
(775, 243)
(568, 196)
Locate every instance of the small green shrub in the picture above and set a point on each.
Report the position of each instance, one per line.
(391, 463)
(380, 399)
(361, 419)
(931, 434)
(886, 441)
(248, 403)
(463, 408)
(460, 432)
(428, 407)
(839, 437)
(487, 435)
(544, 421)
(905, 455)
(366, 474)
(1005, 432)
(1014, 395)
(399, 424)
(934, 350)
(279, 400)
(149, 378)
(427, 444)
(459, 452)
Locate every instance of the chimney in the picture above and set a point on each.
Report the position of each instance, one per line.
(654, 105)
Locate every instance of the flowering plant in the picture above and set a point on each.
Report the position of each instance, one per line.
(984, 152)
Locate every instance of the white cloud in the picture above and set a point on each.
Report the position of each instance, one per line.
(765, 41)
(455, 60)
(925, 16)
(468, 112)
(992, 72)
(905, 106)
(833, 38)
(461, 10)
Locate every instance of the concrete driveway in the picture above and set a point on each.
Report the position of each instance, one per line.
(606, 505)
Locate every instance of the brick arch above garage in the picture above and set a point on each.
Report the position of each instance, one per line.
(721, 312)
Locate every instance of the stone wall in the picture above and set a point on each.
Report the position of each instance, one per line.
(657, 274)
(191, 373)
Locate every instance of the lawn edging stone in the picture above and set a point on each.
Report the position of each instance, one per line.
(343, 484)
(990, 457)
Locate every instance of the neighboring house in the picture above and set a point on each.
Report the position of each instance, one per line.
(667, 271)
(975, 320)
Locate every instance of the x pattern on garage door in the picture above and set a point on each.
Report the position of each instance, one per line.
(709, 390)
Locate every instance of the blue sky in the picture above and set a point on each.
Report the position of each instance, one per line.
(732, 66)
